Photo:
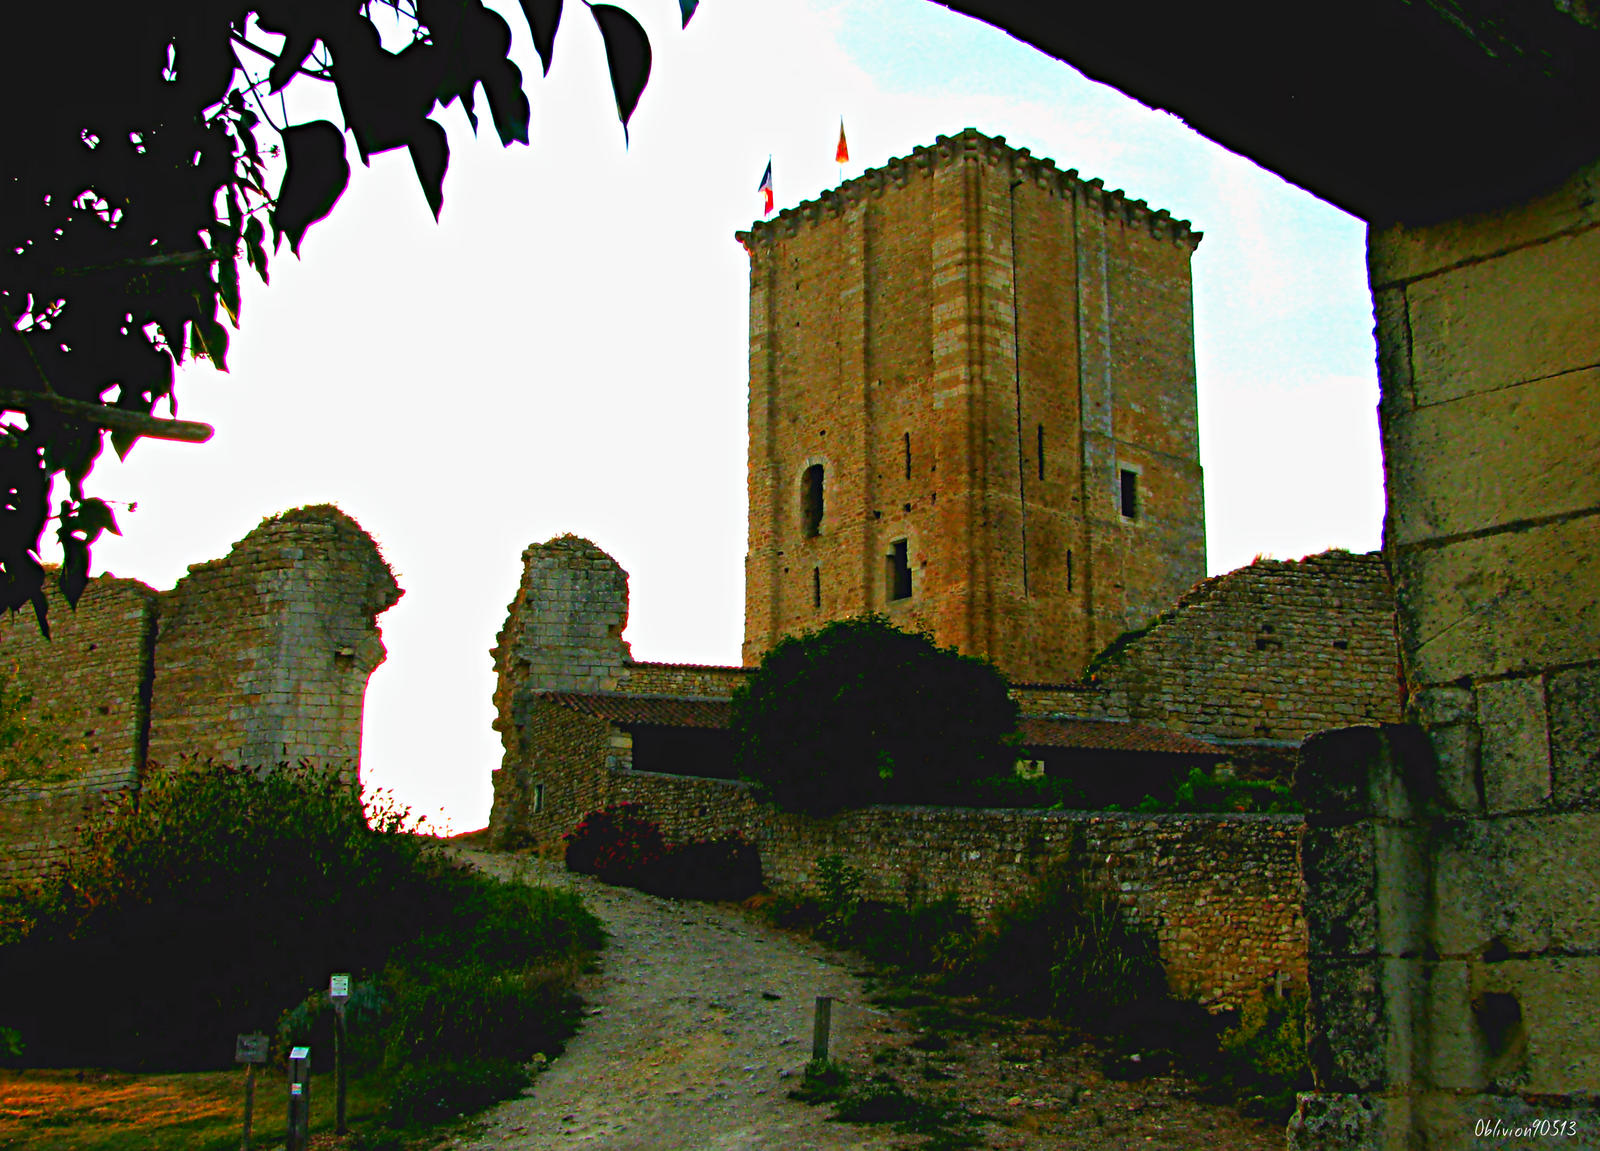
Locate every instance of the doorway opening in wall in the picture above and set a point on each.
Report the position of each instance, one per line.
(1130, 494)
(897, 571)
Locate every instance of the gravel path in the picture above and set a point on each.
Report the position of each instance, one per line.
(698, 1027)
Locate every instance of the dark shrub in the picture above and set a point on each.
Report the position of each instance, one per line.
(438, 1091)
(725, 868)
(616, 844)
(860, 712)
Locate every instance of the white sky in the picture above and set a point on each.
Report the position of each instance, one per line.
(566, 349)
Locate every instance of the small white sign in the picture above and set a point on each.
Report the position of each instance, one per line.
(299, 1053)
(339, 987)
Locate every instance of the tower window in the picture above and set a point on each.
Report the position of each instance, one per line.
(811, 502)
(1069, 569)
(1041, 451)
(897, 571)
(816, 587)
(907, 440)
(1130, 494)
(538, 798)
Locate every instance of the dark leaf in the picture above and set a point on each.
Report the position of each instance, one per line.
(543, 18)
(41, 610)
(74, 567)
(295, 49)
(212, 340)
(317, 175)
(508, 103)
(430, 155)
(93, 516)
(687, 7)
(627, 55)
(122, 443)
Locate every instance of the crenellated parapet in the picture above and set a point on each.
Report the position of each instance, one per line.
(971, 145)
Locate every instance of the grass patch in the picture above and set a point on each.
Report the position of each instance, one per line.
(879, 1097)
(55, 1110)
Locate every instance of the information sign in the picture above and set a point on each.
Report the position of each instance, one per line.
(339, 987)
(250, 1049)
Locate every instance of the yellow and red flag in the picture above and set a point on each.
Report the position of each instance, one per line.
(842, 154)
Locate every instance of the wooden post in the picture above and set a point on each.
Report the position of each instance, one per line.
(249, 1103)
(249, 1050)
(338, 1067)
(820, 1028)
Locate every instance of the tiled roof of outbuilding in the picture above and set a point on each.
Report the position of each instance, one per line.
(647, 710)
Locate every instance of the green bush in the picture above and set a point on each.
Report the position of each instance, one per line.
(218, 897)
(860, 712)
(1204, 791)
(1261, 1061)
(1058, 951)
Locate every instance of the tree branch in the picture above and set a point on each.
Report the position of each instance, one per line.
(104, 416)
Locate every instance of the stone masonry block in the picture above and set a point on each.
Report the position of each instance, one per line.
(1575, 736)
(1486, 460)
(1515, 747)
(1527, 314)
(1359, 1022)
(1501, 604)
(1519, 884)
(1552, 1047)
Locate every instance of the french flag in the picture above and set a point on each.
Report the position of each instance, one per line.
(765, 188)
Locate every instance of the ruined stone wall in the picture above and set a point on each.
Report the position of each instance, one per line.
(1220, 892)
(972, 346)
(1273, 651)
(89, 684)
(563, 632)
(1453, 900)
(258, 658)
(264, 655)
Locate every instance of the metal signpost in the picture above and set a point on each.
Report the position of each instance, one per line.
(299, 1098)
(338, 995)
(249, 1050)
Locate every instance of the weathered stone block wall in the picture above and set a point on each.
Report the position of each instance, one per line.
(92, 679)
(258, 658)
(1273, 651)
(972, 345)
(1220, 892)
(563, 632)
(1471, 941)
(264, 655)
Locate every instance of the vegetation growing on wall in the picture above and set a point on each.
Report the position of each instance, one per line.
(619, 844)
(860, 712)
(30, 746)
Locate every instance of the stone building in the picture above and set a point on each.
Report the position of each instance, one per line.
(259, 658)
(1451, 865)
(972, 408)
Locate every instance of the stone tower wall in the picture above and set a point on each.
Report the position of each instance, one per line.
(885, 327)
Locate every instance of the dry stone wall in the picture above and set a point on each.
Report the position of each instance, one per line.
(258, 658)
(1271, 652)
(1221, 893)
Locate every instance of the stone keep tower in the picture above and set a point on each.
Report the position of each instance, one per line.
(972, 408)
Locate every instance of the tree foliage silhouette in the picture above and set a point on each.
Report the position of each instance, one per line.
(135, 182)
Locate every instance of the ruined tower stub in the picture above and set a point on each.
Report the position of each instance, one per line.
(264, 655)
(972, 408)
(563, 631)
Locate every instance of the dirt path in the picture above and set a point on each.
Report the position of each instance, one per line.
(698, 1028)
(700, 1023)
